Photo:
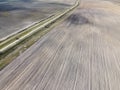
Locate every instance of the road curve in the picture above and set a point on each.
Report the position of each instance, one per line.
(82, 53)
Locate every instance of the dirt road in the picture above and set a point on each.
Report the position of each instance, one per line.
(83, 53)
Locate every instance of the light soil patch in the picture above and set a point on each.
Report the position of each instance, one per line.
(102, 5)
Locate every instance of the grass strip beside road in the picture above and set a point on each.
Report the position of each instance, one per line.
(15, 51)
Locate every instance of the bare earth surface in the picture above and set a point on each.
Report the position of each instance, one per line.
(83, 53)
